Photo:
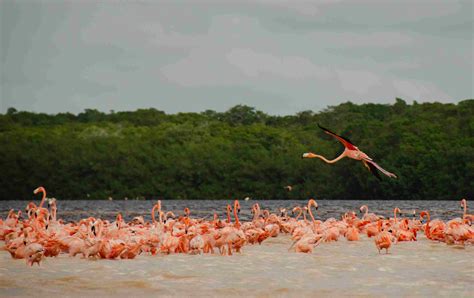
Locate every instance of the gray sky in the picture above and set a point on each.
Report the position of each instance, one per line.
(278, 56)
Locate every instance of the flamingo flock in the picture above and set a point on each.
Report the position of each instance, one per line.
(42, 234)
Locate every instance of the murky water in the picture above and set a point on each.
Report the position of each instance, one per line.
(421, 268)
(343, 268)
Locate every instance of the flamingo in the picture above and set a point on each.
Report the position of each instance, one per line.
(383, 240)
(368, 216)
(353, 152)
(42, 234)
(434, 230)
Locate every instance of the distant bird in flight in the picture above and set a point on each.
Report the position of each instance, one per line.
(353, 152)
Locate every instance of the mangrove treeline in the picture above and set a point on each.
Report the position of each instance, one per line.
(238, 153)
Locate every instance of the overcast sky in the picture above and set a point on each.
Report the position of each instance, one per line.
(278, 56)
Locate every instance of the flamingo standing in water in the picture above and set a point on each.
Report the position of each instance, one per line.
(383, 240)
(353, 152)
(372, 217)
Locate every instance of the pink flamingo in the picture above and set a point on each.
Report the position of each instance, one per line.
(383, 240)
(368, 216)
(352, 234)
(433, 232)
(351, 151)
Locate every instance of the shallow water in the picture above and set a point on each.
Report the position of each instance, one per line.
(342, 268)
(421, 268)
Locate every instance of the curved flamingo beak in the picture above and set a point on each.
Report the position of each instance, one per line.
(38, 190)
(309, 155)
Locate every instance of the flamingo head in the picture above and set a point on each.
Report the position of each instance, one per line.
(309, 155)
(51, 202)
(39, 189)
(361, 209)
(424, 214)
(294, 210)
(312, 202)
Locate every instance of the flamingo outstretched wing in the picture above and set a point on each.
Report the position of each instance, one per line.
(348, 144)
(373, 166)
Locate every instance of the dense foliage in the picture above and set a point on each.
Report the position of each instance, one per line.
(239, 153)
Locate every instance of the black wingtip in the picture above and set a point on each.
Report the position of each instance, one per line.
(374, 171)
(331, 132)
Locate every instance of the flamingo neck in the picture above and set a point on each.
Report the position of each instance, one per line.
(237, 222)
(158, 205)
(331, 161)
(311, 214)
(101, 228)
(299, 214)
(153, 219)
(464, 204)
(427, 226)
(311, 203)
(161, 216)
(54, 211)
(366, 210)
(42, 199)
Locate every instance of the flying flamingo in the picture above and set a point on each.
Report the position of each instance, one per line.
(353, 152)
